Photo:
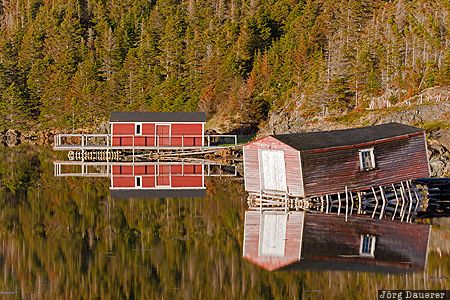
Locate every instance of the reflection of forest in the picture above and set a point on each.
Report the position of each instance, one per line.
(64, 238)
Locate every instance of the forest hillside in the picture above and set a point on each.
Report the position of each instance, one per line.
(67, 64)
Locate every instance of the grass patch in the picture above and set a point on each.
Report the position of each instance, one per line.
(350, 118)
(434, 125)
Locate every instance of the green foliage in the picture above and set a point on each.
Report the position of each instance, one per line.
(68, 64)
(435, 125)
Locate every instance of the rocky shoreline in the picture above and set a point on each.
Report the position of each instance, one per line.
(438, 139)
(12, 137)
(430, 116)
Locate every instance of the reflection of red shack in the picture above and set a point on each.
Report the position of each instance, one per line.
(276, 240)
(273, 240)
(157, 180)
(157, 129)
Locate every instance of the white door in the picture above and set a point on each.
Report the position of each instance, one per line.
(273, 170)
(273, 234)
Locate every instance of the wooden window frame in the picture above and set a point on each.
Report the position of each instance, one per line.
(372, 159)
(136, 185)
(136, 126)
(371, 252)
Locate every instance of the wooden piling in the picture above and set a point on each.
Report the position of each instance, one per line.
(339, 203)
(376, 202)
(397, 200)
(346, 204)
(383, 197)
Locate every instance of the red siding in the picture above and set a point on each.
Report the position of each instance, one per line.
(142, 141)
(292, 165)
(176, 169)
(177, 130)
(124, 170)
(397, 160)
(123, 128)
(148, 128)
(167, 176)
(186, 130)
(193, 169)
(144, 169)
(294, 228)
(330, 240)
(148, 181)
(123, 182)
(164, 169)
(187, 181)
(163, 133)
(326, 236)
(163, 180)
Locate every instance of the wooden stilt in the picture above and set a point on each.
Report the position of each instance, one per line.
(351, 199)
(286, 198)
(417, 198)
(403, 209)
(383, 197)
(260, 201)
(408, 219)
(339, 203)
(397, 200)
(359, 203)
(376, 202)
(346, 204)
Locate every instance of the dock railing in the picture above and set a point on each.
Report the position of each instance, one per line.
(68, 141)
(105, 169)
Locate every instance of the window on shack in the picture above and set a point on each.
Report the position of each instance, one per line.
(366, 159)
(367, 245)
(138, 181)
(138, 128)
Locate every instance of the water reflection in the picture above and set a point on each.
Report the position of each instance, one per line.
(65, 238)
(296, 240)
(150, 179)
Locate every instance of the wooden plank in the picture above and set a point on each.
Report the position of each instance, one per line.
(408, 219)
(396, 161)
(351, 199)
(273, 240)
(273, 170)
(396, 204)
(383, 197)
(403, 209)
(292, 161)
(339, 203)
(346, 204)
(376, 202)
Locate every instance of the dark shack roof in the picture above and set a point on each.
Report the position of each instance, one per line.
(158, 117)
(157, 193)
(345, 137)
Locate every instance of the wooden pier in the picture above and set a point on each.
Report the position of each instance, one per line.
(107, 147)
(400, 201)
(65, 142)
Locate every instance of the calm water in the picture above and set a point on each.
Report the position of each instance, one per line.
(65, 238)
